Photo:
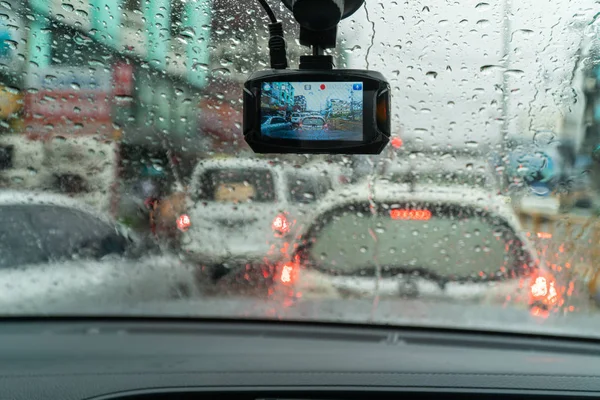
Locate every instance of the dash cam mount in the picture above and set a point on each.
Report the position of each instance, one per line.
(318, 20)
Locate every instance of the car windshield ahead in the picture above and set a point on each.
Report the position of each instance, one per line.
(134, 108)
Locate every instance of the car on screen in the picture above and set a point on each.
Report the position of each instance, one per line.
(272, 124)
(465, 245)
(296, 118)
(313, 123)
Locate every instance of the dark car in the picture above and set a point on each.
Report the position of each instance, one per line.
(41, 231)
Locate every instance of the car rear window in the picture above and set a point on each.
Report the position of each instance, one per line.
(441, 240)
(313, 121)
(237, 185)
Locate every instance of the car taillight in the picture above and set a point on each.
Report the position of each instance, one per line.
(280, 224)
(289, 272)
(183, 222)
(544, 291)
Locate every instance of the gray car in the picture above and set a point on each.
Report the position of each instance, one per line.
(313, 123)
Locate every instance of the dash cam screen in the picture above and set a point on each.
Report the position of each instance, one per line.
(312, 110)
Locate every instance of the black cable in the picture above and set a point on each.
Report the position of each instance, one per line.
(277, 45)
(268, 10)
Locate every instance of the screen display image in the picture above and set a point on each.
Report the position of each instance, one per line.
(312, 110)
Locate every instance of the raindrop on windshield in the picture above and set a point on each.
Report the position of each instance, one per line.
(543, 138)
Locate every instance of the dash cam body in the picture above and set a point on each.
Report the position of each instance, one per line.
(317, 111)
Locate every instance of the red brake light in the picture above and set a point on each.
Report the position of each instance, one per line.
(416, 215)
(288, 273)
(539, 287)
(183, 222)
(396, 142)
(544, 290)
(280, 224)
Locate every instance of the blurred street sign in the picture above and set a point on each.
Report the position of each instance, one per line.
(11, 102)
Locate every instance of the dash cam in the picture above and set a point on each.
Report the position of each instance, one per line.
(315, 109)
(338, 111)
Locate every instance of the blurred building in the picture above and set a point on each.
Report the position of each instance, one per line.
(281, 98)
(340, 106)
(300, 103)
(163, 75)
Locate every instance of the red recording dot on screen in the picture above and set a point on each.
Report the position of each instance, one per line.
(322, 86)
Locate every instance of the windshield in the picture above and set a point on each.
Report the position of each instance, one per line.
(133, 110)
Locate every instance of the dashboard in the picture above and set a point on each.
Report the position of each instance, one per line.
(147, 359)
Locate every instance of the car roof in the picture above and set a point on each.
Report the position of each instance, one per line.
(394, 192)
(443, 165)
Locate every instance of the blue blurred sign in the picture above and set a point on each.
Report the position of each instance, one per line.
(5, 38)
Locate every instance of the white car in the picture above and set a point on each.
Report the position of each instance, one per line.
(242, 211)
(271, 124)
(405, 241)
(296, 118)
